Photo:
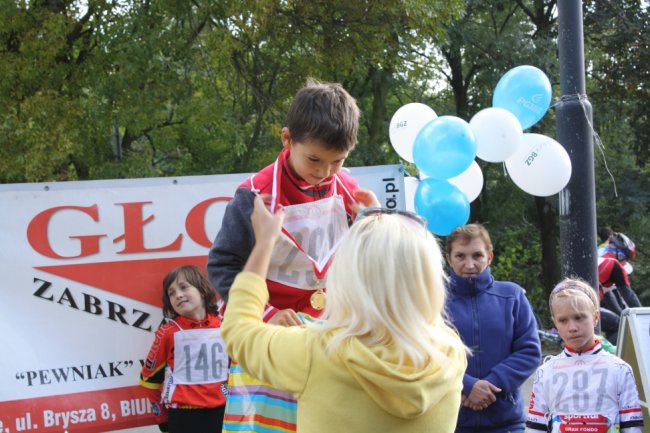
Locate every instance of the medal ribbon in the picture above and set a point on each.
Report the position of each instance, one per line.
(319, 271)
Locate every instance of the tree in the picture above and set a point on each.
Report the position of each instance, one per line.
(617, 83)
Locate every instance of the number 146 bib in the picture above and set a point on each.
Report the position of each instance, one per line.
(199, 357)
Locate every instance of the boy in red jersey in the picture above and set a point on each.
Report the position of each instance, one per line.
(319, 199)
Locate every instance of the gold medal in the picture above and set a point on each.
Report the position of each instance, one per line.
(317, 300)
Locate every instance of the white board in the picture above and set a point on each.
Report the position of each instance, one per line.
(634, 348)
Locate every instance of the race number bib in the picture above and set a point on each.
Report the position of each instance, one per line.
(579, 389)
(199, 357)
(316, 227)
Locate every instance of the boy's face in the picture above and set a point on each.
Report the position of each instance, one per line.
(575, 319)
(311, 160)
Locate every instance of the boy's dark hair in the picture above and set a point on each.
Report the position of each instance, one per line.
(195, 277)
(324, 112)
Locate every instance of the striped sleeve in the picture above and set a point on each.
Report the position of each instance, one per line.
(152, 375)
(537, 416)
(630, 412)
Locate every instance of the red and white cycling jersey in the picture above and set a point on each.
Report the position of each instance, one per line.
(588, 392)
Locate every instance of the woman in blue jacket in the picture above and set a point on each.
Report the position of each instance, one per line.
(496, 322)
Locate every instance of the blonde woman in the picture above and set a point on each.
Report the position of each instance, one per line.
(383, 358)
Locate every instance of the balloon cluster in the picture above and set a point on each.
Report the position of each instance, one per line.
(444, 149)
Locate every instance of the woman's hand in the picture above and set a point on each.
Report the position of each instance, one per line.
(266, 226)
(481, 396)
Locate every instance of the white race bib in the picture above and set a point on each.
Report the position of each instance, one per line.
(579, 389)
(317, 227)
(199, 357)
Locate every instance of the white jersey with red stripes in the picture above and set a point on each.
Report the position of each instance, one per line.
(588, 392)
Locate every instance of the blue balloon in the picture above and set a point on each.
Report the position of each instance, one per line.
(443, 205)
(444, 147)
(526, 92)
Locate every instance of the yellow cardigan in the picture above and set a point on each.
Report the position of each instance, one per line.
(357, 389)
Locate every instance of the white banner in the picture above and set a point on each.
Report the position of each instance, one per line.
(82, 265)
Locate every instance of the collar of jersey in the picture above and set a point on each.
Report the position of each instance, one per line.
(595, 348)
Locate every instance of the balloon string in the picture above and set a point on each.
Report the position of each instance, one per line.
(601, 148)
(566, 98)
(599, 143)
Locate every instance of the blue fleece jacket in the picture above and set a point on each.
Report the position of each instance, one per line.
(496, 322)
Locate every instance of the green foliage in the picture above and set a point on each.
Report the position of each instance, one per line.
(517, 258)
(161, 88)
(619, 45)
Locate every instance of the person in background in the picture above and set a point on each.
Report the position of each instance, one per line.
(187, 366)
(496, 322)
(382, 359)
(584, 388)
(613, 274)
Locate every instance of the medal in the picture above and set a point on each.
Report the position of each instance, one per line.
(317, 300)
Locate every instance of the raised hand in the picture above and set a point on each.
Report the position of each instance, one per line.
(266, 226)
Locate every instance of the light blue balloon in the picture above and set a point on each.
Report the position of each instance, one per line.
(443, 205)
(444, 147)
(526, 92)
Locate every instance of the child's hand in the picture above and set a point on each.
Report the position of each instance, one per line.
(286, 317)
(267, 226)
(364, 198)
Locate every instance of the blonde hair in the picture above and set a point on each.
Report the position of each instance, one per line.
(386, 287)
(572, 288)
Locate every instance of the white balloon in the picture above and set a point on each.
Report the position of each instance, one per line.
(541, 166)
(410, 185)
(498, 134)
(405, 125)
(470, 181)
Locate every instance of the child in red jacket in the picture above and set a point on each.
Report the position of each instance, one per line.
(320, 201)
(187, 366)
(319, 198)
